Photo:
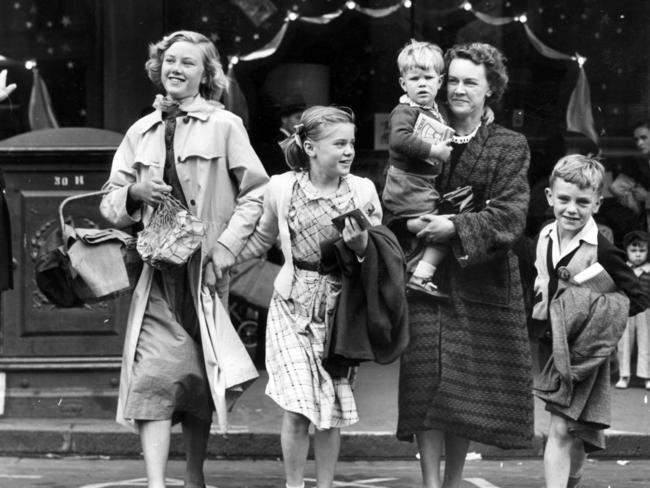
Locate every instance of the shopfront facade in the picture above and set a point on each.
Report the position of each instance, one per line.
(90, 55)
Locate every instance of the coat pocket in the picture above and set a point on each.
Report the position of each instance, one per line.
(199, 146)
(149, 167)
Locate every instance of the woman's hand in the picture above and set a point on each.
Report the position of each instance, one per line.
(150, 191)
(219, 260)
(441, 150)
(439, 229)
(354, 237)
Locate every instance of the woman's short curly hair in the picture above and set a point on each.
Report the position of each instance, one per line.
(490, 57)
(216, 80)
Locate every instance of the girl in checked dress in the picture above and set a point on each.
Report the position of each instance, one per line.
(298, 208)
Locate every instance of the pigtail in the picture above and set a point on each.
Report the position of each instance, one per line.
(294, 151)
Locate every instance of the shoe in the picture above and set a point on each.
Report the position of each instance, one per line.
(647, 384)
(623, 383)
(424, 286)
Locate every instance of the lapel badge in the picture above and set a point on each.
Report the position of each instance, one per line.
(563, 273)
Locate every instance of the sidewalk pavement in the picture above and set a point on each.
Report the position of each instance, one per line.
(254, 427)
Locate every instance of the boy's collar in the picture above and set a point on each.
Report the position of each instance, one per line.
(406, 100)
(589, 233)
(645, 267)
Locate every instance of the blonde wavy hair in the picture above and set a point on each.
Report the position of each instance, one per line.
(216, 80)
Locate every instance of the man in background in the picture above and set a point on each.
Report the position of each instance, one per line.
(288, 112)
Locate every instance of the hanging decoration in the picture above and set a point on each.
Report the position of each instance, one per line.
(579, 117)
(257, 11)
(579, 114)
(39, 113)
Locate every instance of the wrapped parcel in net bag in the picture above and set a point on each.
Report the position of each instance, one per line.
(172, 235)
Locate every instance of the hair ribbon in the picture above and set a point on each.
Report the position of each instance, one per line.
(296, 135)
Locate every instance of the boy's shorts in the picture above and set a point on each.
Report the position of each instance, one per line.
(409, 195)
(592, 435)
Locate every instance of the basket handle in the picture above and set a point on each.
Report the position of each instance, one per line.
(77, 197)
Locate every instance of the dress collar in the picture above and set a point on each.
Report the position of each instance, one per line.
(311, 191)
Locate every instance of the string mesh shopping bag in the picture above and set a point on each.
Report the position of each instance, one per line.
(172, 235)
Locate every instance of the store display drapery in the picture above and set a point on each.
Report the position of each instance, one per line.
(579, 115)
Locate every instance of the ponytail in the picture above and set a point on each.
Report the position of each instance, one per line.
(294, 151)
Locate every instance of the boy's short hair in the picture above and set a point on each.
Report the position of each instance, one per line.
(421, 55)
(583, 171)
(635, 238)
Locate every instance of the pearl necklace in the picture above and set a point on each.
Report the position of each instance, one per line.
(465, 139)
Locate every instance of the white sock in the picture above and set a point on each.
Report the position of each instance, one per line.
(299, 486)
(424, 270)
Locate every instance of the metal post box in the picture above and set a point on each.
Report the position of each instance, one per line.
(53, 361)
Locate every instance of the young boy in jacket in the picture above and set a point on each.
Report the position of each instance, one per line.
(565, 247)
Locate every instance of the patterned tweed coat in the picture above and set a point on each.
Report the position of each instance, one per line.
(467, 370)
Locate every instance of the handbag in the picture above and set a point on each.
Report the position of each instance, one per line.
(460, 200)
(85, 265)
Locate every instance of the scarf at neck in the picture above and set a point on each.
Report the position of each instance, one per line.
(167, 105)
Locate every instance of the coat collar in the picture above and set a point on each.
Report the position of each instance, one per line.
(199, 108)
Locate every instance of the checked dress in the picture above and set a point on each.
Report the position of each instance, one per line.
(297, 327)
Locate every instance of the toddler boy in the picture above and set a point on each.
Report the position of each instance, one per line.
(414, 163)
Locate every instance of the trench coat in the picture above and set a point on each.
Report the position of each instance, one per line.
(223, 181)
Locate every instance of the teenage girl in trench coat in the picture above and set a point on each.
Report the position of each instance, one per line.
(173, 368)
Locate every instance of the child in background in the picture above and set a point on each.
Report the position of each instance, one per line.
(635, 244)
(414, 163)
(584, 326)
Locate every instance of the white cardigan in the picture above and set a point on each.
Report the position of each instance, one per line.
(274, 221)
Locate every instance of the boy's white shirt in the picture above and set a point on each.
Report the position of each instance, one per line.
(589, 234)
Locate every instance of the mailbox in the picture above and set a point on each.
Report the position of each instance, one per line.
(54, 361)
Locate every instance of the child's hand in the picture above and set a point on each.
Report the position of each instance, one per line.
(150, 192)
(217, 262)
(441, 150)
(355, 238)
(488, 115)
